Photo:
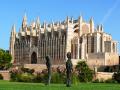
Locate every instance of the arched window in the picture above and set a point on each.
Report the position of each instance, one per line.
(34, 58)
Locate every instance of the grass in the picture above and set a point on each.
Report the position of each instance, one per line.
(6, 85)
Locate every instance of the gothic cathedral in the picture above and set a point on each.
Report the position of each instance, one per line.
(85, 42)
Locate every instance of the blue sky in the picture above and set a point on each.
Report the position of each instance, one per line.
(106, 12)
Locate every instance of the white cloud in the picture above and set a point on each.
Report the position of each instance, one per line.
(110, 11)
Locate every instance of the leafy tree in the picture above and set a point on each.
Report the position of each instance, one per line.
(5, 59)
(85, 74)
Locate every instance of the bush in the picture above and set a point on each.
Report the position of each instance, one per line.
(75, 79)
(57, 78)
(105, 81)
(96, 81)
(58, 75)
(38, 78)
(14, 73)
(1, 77)
(27, 70)
(110, 81)
(85, 74)
(25, 77)
(21, 75)
(116, 76)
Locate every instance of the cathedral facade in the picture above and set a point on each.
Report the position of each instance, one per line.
(85, 42)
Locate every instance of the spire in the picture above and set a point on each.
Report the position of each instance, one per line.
(13, 31)
(52, 24)
(98, 28)
(101, 28)
(71, 19)
(80, 19)
(67, 20)
(91, 25)
(59, 23)
(91, 20)
(44, 25)
(33, 24)
(20, 29)
(25, 17)
(12, 41)
(45, 29)
(13, 28)
(24, 22)
(38, 23)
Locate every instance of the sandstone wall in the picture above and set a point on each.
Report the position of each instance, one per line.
(111, 59)
(101, 59)
(5, 74)
(96, 59)
(103, 75)
(40, 67)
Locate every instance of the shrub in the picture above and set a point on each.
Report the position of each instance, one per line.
(57, 78)
(110, 81)
(116, 76)
(38, 78)
(58, 75)
(27, 70)
(1, 77)
(25, 77)
(75, 79)
(101, 80)
(14, 73)
(22, 75)
(85, 74)
(96, 81)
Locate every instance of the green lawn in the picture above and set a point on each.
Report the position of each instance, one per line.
(6, 85)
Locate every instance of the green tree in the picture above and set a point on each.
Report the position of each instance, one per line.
(5, 59)
(85, 74)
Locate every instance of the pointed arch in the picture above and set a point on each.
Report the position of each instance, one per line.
(34, 58)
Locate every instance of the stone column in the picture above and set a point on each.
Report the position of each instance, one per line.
(55, 50)
(64, 50)
(78, 48)
(46, 47)
(82, 50)
(53, 47)
(103, 48)
(116, 48)
(58, 49)
(42, 49)
(73, 50)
